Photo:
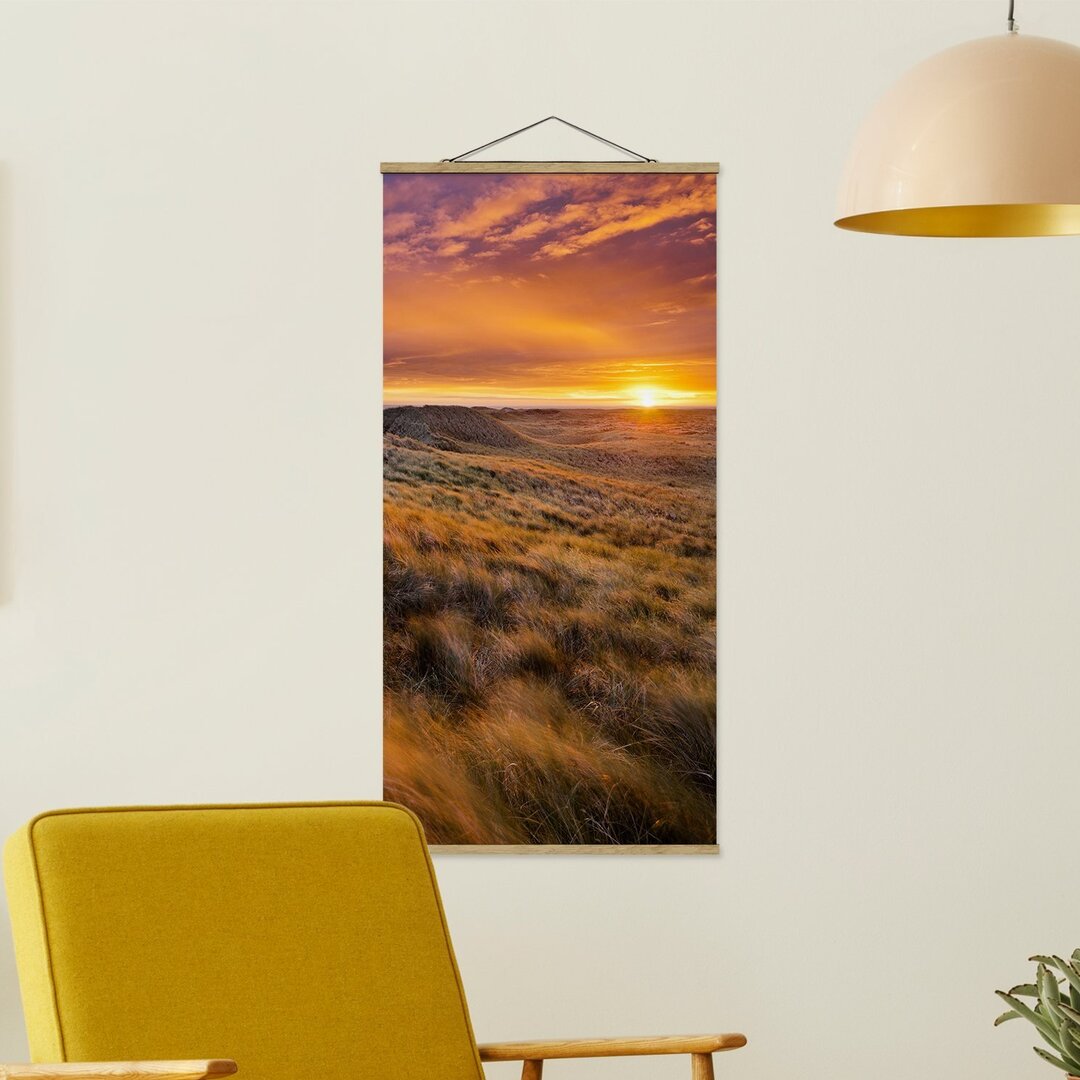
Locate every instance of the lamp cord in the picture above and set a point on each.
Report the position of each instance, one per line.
(1013, 24)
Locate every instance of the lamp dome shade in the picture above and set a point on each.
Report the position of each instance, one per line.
(980, 140)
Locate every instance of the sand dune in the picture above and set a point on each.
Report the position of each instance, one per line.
(447, 426)
(656, 444)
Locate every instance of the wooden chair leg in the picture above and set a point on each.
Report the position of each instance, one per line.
(532, 1070)
(700, 1067)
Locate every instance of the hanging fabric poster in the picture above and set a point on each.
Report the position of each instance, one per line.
(549, 465)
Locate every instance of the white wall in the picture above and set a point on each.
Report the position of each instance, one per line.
(191, 215)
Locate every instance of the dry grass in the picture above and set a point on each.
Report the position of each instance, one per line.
(549, 608)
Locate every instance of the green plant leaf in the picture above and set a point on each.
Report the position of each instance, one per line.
(1041, 1022)
(1010, 1015)
(1049, 996)
(1054, 1040)
(1069, 1045)
(1071, 973)
(1025, 990)
(1055, 1061)
(1069, 1053)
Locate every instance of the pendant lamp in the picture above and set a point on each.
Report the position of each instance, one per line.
(979, 140)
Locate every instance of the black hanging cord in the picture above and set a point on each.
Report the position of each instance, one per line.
(537, 123)
(1013, 26)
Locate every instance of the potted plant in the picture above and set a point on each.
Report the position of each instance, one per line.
(1054, 1009)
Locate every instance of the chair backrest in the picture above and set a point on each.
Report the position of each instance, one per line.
(303, 940)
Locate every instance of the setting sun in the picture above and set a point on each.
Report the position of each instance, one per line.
(646, 398)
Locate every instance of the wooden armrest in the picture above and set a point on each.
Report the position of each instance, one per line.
(121, 1070)
(581, 1048)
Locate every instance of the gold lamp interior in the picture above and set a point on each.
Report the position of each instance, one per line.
(1004, 219)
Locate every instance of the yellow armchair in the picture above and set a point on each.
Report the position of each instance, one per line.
(299, 939)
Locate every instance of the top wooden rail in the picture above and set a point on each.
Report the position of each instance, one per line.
(550, 167)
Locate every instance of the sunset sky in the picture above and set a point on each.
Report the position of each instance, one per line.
(570, 290)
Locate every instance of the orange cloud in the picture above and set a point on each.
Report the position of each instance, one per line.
(396, 224)
(548, 287)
